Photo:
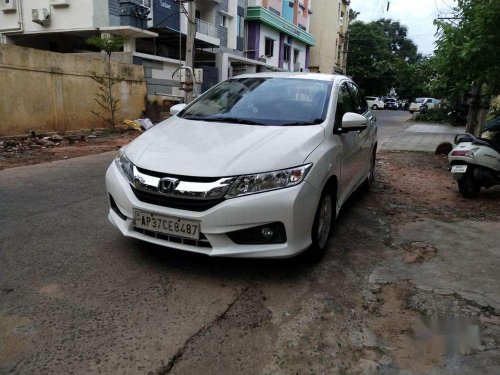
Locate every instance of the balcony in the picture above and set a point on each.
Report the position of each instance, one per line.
(206, 28)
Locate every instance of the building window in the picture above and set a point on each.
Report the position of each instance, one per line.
(269, 47)
(296, 54)
(286, 54)
(223, 21)
(240, 27)
(275, 11)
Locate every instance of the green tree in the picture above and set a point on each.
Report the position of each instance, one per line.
(468, 54)
(370, 59)
(104, 96)
(353, 15)
(399, 43)
(381, 57)
(418, 79)
(469, 50)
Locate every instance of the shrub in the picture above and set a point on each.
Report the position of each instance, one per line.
(439, 115)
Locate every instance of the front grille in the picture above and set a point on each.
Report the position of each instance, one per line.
(202, 242)
(197, 205)
(179, 177)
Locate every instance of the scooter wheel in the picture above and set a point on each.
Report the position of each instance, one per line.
(468, 186)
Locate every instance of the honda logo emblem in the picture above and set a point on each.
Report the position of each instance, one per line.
(167, 185)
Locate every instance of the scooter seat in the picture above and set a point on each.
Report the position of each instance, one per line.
(477, 141)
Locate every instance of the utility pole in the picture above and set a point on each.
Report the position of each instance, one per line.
(191, 33)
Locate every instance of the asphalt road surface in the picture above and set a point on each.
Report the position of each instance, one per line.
(78, 298)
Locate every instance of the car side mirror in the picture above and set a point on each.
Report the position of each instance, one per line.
(175, 109)
(353, 122)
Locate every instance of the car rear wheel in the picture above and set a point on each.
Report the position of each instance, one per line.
(374, 106)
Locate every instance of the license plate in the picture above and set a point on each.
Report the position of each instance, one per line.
(167, 225)
(459, 169)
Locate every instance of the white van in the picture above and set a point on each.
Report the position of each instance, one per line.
(424, 104)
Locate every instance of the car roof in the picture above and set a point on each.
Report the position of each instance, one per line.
(297, 75)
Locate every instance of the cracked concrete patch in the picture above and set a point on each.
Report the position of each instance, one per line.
(463, 245)
(231, 344)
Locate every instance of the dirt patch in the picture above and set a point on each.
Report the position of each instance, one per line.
(18, 152)
(51, 290)
(249, 312)
(12, 343)
(420, 184)
(418, 252)
(399, 329)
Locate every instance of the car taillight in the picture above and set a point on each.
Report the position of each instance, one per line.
(459, 153)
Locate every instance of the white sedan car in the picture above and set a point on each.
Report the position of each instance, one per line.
(258, 166)
(375, 102)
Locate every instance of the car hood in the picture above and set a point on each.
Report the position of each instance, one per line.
(208, 149)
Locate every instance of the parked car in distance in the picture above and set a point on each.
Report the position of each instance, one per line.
(391, 103)
(375, 102)
(423, 104)
(258, 166)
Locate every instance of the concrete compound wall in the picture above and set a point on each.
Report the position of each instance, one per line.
(47, 91)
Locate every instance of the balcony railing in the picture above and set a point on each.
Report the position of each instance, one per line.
(206, 28)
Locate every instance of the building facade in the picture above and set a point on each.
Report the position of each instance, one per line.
(154, 32)
(233, 36)
(278, 33)
(331, 20)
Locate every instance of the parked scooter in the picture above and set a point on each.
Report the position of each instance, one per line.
(475, 162)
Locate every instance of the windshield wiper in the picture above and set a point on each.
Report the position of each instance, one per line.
(235, 120)
(303, 123)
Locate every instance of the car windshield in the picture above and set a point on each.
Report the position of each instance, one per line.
(419, 100)
(263, 101)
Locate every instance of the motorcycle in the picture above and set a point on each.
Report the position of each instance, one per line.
(475, 162)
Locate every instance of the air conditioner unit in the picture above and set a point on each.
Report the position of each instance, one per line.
(41, 16)
(7, 6)
(59, 3)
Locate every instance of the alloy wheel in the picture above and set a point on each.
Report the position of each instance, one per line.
(325, 220)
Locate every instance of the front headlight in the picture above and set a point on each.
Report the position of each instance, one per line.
(125, 166)
(261, 182)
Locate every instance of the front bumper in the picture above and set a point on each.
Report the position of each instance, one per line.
(295, 207)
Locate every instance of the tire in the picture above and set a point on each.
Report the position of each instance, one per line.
(374, 107)
(468, 186)
(323, 225)
(367, 185)
(412, 112)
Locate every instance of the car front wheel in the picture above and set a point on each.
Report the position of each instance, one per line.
(323, 224)
(371, 173)
(374, 106)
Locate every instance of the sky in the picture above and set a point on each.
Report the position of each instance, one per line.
(417, 15)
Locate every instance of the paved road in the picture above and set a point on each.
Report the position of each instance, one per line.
(396, 133)
(77, 297)
(390, 123)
